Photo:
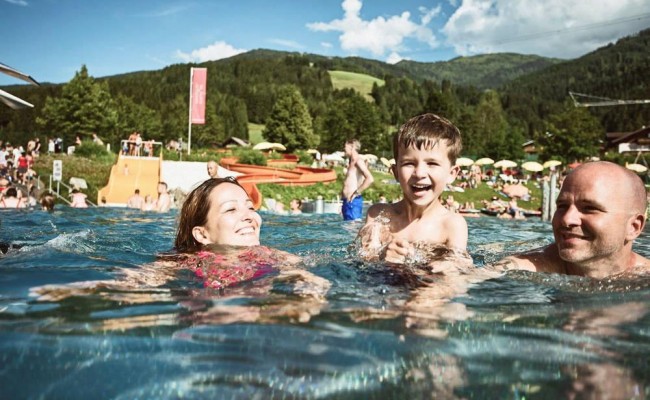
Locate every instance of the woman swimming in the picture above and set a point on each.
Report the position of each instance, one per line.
(219, 236)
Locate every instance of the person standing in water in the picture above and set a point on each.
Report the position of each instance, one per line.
(164, 202)
(357, 179)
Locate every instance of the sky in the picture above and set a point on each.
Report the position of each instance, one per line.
(51, 39)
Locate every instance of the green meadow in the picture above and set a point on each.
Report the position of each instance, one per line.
(362, 83)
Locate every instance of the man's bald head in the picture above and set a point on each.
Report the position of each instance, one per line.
(623, 181)
(213, 169)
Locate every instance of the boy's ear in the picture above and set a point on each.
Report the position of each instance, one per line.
(453, 173)
(393, 170)
(201, 235)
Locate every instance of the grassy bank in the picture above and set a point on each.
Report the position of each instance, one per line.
(96, 170)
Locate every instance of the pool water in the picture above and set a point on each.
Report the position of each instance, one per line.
(521, 336)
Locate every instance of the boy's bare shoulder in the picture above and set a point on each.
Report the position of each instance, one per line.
(381, 208)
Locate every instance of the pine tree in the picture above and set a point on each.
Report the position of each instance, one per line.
(84, 107)
(290, 122)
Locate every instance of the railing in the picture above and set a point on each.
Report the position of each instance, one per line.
(58, 194)
(135, 149)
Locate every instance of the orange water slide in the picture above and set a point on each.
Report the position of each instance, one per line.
(130, 173)
(253, 174)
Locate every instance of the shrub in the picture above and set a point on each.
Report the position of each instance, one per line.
(250, 156)
(90, 150)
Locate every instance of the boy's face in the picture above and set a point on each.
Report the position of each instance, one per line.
(423, 174)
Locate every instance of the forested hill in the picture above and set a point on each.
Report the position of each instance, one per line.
(616, 71)
(482, 71)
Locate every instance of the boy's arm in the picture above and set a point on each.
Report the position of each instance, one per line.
(456, 228)
(371, 235)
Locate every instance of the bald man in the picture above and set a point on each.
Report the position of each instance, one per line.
(213, 169)
(600, 212)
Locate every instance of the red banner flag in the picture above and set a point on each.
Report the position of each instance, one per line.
(197, 100)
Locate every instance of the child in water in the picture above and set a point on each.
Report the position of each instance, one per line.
(425, 150)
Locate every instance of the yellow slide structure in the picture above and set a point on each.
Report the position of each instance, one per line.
(128, 174)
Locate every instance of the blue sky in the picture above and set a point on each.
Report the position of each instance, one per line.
(51, 39)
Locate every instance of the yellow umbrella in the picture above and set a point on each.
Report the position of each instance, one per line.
(552, 163)
(638, 168)
(484, 161)
(269, 146)
(464, 162)
(505, 164)
(532, 166)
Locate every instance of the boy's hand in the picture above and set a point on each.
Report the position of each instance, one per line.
(398, 250)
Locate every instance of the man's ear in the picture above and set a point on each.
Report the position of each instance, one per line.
(635, 226)
(201, 235)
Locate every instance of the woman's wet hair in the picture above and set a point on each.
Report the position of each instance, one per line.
(195, 213)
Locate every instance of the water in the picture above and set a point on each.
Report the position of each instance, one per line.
(522, 336)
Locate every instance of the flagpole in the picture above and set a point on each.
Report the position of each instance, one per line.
(189, 119)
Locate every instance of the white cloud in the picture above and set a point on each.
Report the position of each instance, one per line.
(287, 43)
(18, 2)
(394, 58)
(379, 35)
(552, 28)
(215, 51)
(327, 45)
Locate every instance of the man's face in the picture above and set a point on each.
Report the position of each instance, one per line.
(212, 169)
(592, 218)
(423, 174)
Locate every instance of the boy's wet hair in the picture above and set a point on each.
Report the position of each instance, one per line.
(425, 131)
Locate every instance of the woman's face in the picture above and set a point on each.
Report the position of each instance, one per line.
(232, 219)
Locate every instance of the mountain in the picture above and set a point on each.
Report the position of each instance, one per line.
(619, 70)
(482, 71)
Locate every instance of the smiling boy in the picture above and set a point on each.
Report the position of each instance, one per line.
(425, 150)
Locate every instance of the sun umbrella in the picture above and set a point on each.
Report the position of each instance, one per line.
(552, 163)
(464, 162)
(371, 158)
(484, 161)
(269, 146)
(333, 157)
(532, 166)
(636, 168)
(505, 164)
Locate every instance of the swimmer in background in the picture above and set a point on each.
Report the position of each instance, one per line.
(148, 204)
(10, 198)
(47, 201)
(78, 199)
(295, 206)
(164, 202)
(136, 200)
(357, 179)
(425, 150)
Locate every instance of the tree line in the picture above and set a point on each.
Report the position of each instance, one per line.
(292, 95)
